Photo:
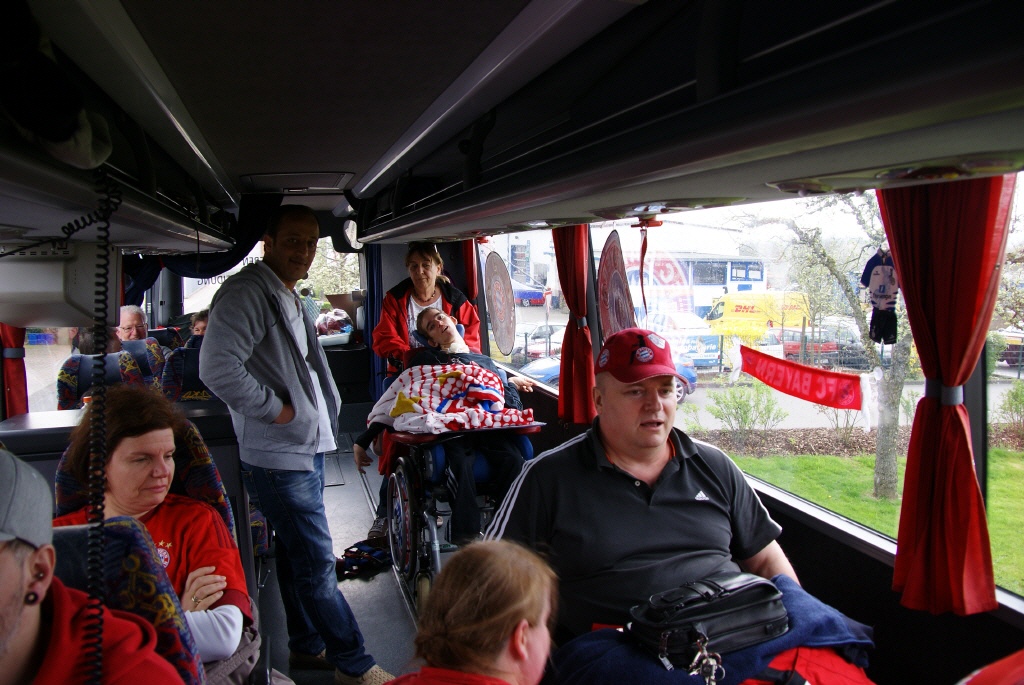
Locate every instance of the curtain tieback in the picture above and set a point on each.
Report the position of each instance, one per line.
(949, 396)
(14, 353)
(581, 322)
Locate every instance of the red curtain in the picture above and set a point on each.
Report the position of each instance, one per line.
(947, 242)
(471, 260)
(575, 402)
(12, 340)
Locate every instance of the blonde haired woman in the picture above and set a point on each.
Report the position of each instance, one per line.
(488, 618)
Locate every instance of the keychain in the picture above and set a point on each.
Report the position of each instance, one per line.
(707, 664)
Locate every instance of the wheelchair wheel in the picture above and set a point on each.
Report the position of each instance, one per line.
(423, 583)
(403, 523)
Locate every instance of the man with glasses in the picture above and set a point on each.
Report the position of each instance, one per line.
(133, 324)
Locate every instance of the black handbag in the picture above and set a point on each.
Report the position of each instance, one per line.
(724, 612)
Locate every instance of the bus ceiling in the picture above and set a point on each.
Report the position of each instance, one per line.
(457, 120)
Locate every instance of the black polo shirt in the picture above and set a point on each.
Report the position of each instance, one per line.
(614, 541)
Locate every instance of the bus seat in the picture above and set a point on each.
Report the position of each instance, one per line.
(180, 381)
(149, 356)
(134, 580)
(195, 475)
(167, 337)
(75, 376)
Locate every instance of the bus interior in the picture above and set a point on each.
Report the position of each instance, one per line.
(170, 130)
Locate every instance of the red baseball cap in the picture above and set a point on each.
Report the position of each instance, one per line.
(633, 354)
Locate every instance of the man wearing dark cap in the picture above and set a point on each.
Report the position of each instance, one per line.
(42, 623)
(634, 506)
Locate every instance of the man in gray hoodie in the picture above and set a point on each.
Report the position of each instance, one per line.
(262, 358)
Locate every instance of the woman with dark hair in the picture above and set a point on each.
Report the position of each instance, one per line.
(487, 619)
(425, 288)
(196, 547)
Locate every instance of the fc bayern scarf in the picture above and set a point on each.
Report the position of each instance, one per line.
(830, 388)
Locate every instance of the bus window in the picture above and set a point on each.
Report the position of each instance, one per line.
(332, 276)
(1001, 471)
(822, 455)
(541, 315)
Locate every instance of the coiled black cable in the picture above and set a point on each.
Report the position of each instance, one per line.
(108, 204)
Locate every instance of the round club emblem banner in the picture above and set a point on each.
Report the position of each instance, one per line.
(614, 302)
(501, 309)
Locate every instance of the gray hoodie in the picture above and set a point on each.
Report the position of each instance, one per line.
(250, 359)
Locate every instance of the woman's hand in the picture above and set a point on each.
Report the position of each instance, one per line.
(202, 589)
(361, 457)
(522, 384)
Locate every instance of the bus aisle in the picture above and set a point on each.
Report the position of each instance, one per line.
(379, 604)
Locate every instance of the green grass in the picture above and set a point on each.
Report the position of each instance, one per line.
(844, 485)
(1006, 517)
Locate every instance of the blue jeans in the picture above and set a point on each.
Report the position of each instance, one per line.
(318, 615)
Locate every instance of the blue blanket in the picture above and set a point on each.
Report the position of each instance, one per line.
(611, 656)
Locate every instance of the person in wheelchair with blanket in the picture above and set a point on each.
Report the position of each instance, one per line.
(504, 457)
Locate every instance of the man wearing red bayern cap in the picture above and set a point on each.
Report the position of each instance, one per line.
(633, 507)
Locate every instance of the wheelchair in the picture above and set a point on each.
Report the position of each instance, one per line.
(418, 511)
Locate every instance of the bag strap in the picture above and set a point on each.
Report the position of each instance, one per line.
(777, 677)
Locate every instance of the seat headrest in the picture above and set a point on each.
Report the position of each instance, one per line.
(111, 370)
(137, 348)
(167, 337)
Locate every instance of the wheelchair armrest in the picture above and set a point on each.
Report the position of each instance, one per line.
(435, 438)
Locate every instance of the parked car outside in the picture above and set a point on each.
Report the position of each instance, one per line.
(771, 343)
(544, 370)
(534, 341)
(850, 351)
(690, 335)
(817, 346)
(530, 295)
(1014, 352)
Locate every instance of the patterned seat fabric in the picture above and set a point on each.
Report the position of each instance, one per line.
(260, 530)
(134, 580)
(166, 337)
(181, 382)
(195, 476)
(150, 357)
(75, 376)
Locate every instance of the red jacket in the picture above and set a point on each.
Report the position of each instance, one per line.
(189, 534)
(128, 644)
(391, 335)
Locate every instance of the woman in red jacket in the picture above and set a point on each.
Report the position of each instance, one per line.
(425, 288)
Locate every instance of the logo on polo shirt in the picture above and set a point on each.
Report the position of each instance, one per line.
(701, 497)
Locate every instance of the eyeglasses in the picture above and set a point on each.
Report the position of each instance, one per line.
(129, 329)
